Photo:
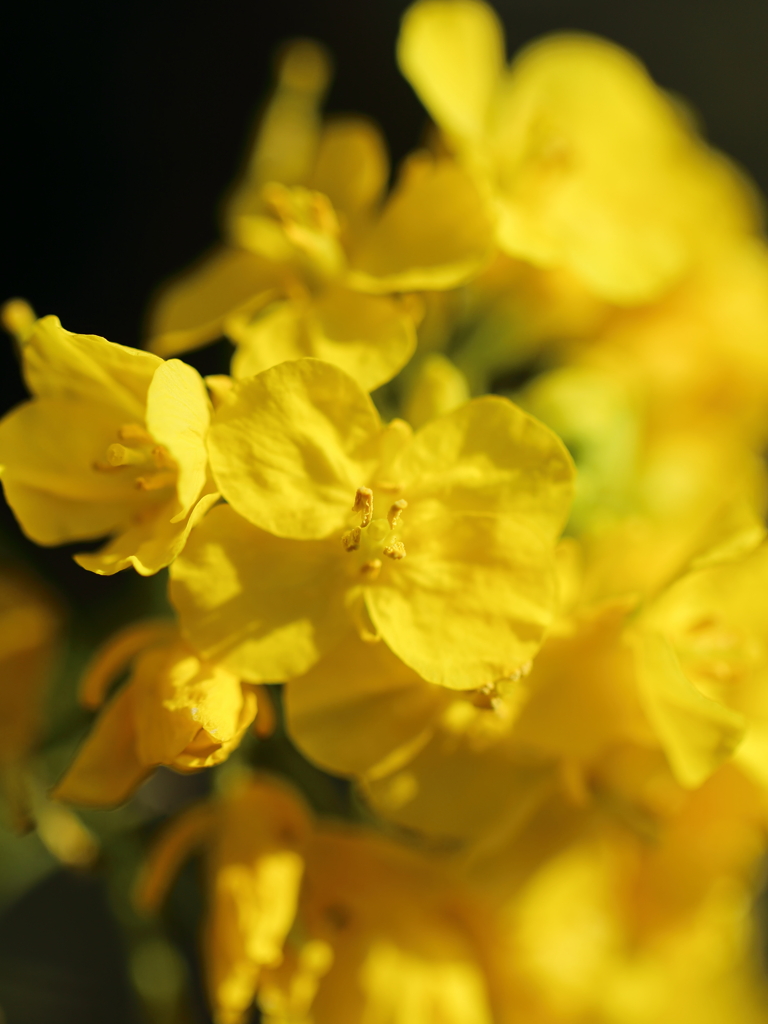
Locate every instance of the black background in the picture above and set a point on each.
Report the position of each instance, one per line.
(125, 120)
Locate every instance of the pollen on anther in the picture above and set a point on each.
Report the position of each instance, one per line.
(351, 539)
(395, 550)
(364, 504)
(395, 512)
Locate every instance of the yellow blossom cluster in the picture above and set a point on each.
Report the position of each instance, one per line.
(475, 522)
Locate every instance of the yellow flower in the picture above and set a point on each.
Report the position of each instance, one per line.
(591, 167)
(112, 442)
(441, 544)
(255, 839)
(314, 256)
(611, 712)
(325, 924)
(175, 710)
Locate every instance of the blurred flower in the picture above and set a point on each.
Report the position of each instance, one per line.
(175, 710)
(322, 923)
(315, 257)
(589, 166)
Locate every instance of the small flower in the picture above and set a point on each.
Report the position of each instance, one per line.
(440, 544)
(175, 710)
(112, 442)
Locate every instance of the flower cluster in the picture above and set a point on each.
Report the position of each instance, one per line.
(514, 596)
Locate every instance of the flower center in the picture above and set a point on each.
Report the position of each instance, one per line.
(374, 538)
(136, 448)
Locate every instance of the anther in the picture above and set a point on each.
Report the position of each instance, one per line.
(370, 570)
(395, 550)
(393, 516)
(364, 504)
(351, 540)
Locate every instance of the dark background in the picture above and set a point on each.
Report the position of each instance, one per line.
(124, 122)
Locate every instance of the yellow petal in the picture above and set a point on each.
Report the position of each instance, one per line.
(490, 456)
(85, 367)
(264, 607)
(192, 310)
(112, 659)
(697, 734)
(439, 388)
(178, 416)
(452, 53)
(470, 602)
(598, 172)
(106, 770)
(369, 337)
(150, 544)
(291, 446)
(176, 696)
(434, 232)
(351, 166)
(357, 706)
(48, 448)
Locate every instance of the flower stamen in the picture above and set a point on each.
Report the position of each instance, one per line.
(364, 504)
(395, 512)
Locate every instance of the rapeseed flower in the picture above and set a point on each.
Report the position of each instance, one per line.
(111, 443)
(174, 710)
(321, 923)
(441, 544)
(315, 256)
(588, 165)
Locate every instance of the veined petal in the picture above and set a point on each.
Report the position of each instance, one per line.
(433, 233)
(150, 544)
(489, 456)
(697, 733)
(470, 602)
(178, 416)
(452, 53)
(359, 705)
(291, 446)
(57, 363)
(192, 310)
(370, 337)
(106, 769)
(264, 607)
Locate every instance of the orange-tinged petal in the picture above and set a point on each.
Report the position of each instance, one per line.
(264, 607)
(370, 337)
(193, 309)
(291, 446)
(106, 769)
(471, 601)
(175, 844)
(111, 660)
(358, 706)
